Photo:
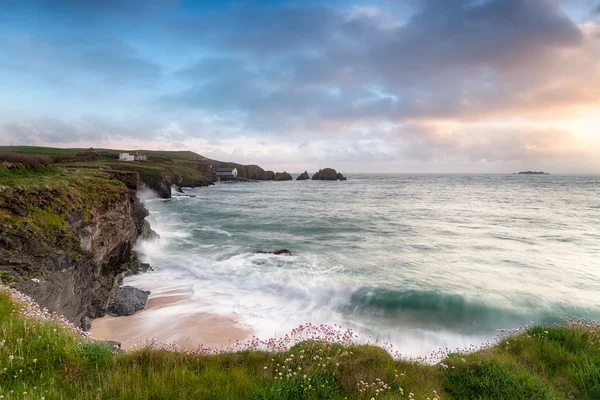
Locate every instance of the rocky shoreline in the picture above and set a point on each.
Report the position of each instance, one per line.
(67, 233)
(68, 244)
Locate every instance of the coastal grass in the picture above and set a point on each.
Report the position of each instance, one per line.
(41, 150)
(45, 359)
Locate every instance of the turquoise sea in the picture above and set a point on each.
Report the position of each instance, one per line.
(422, 261)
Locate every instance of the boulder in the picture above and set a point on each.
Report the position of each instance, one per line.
(283, 176)
(127, 301)
(280, 252)
(303, 176)
(341, 177)
(328, 174)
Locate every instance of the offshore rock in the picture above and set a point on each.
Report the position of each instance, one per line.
(328, 174)
(283, 176)
(280, 252)
(127, 301)
(303, 176)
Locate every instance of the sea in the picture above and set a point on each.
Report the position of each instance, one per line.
(423, 261)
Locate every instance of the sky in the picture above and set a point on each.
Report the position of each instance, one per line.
(360, 86)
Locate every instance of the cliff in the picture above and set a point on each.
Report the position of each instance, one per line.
(253, 172)
(161, 177)
(66, 235)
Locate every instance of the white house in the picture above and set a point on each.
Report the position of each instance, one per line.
(226, 172)
(126, 157)
(140, 156)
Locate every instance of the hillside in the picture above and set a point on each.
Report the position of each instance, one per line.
(160, 171)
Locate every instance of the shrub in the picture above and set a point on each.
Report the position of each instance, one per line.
(93, 352)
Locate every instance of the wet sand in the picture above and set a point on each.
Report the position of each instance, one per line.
(170, 318)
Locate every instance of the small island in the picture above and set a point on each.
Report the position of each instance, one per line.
(533, 173)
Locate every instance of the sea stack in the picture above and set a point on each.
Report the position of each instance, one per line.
(303, 176)
(328, 174)
(283, 176)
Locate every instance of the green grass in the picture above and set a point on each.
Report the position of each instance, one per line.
(157, 154)
(54, 151)
(52, 361)
(21, 174)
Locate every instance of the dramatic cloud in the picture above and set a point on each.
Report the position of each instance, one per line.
(432, 81)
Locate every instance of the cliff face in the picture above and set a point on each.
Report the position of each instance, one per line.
(66, 242)
(253, 172)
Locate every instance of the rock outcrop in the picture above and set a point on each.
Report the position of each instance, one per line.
(73, 239)
(533, 173)
(328, 174)
(252, 172)
(280, 252)
(127, 301)
(303, 176)
(283, 176)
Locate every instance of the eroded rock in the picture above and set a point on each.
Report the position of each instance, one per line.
(127, 301)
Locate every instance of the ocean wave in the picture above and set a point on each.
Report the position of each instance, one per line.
(427, 304)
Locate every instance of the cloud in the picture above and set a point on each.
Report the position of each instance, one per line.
(451, 60)
(423, 81)
(78, 61)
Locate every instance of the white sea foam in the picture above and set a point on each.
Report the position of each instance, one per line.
(402, 260)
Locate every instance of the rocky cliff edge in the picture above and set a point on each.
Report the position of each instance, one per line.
(67, 236)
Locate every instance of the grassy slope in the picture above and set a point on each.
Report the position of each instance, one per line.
(41, 150)
(51, 361)
(177, 164)
(173, 155)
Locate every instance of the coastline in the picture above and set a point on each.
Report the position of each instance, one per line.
(170, 317)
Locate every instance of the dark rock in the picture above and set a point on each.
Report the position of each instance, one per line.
(145, 267)
(341, 177)
(328, 174)
(136, 267)
(283, 176)
(148, 233)
(129, 178)
(86, 323)
(16, 205)
(115, 346)
(533, 173)
(178, 189)
(127, 301)
(280, 252)
(303, 176)
(161, 184)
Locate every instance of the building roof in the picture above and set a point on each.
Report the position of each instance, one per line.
(224, 169)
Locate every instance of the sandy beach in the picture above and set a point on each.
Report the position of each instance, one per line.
(170, 317)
